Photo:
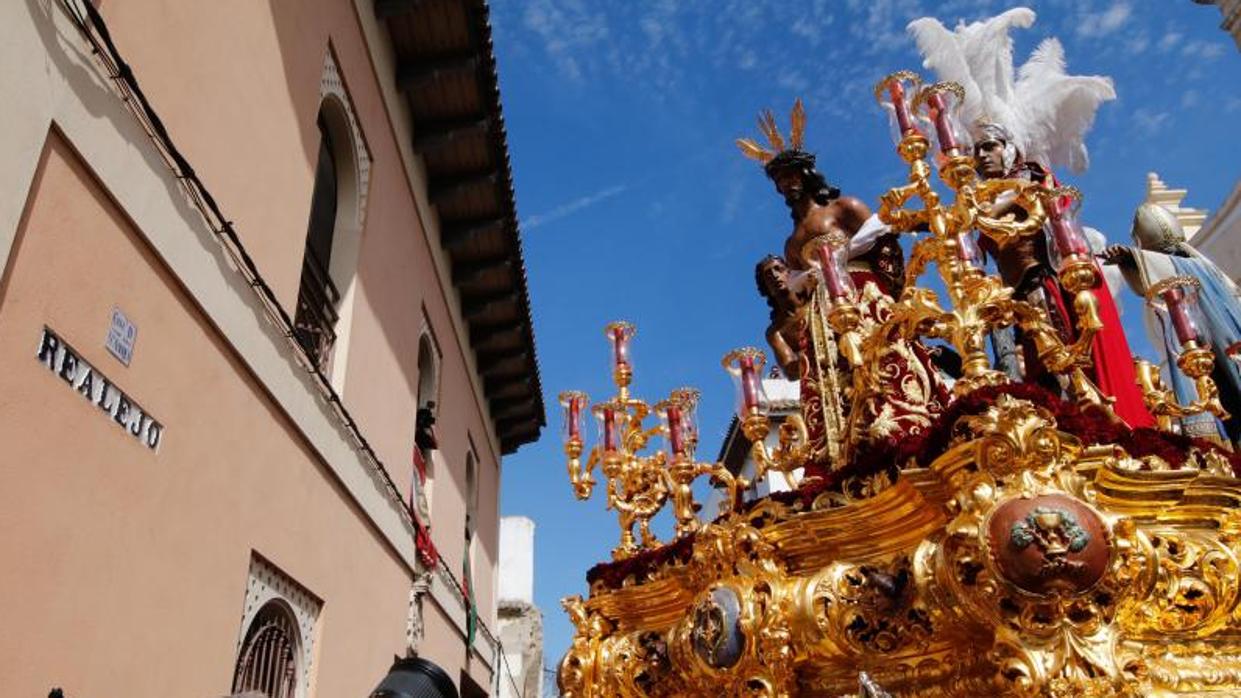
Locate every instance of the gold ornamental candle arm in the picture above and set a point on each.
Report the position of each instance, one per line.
(791, 452)
(992, 207)
(1177, 296)
(580, 477)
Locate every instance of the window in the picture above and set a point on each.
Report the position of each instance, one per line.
(317, 296)
(275, 644)
(471, 500)
(324, 313)
(267, 664)
(425, 440)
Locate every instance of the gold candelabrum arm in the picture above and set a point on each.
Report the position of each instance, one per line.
(680, 475)
(1197, 363)
(640, 481)
(792, 449)
(1003, 210)
(580, 477)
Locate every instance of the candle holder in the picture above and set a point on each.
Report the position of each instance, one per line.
(980, 302)
(940, 102)
(639, 482)
(1174, 301)
(793, 447)
(895, 93)
(1070, 251)
(620, 335)
(574, 403)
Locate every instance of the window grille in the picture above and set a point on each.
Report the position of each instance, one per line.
(267, 663)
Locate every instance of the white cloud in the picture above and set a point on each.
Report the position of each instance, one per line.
(1137, 44)
(1203, 50)
(565, 28)
(1189, 99)
(1170, 41)
(1097, 24)
(1149, 123)
(571, 207)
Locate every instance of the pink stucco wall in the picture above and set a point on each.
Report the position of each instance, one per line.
(115, 550)
(237, 82)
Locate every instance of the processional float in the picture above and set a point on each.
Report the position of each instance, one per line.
(1024, 544)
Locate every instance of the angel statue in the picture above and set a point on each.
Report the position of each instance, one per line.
(1024, 123)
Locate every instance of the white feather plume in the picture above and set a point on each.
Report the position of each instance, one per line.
(1047, 111)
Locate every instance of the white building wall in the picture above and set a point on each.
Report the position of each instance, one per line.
(516, 559)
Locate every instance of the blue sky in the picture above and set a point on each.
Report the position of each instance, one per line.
(635, 204)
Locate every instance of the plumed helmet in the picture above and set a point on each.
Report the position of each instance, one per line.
(1156, 228)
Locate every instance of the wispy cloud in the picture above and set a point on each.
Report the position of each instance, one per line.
(1149, 122)
(1203, 50)
(571, 207)
(1170, 41)
(1097, 24)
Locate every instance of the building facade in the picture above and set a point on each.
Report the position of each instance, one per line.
(1216, 235)
(520, 623)
(267, 335)
(1231, 12)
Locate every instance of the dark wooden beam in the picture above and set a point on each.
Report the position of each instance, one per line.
(507, 407)
(512, 389)
(470, 271)
(493, 384)
(417, 72)
(475, 310)
(506, 368)
(395, 8)
(486, 358)
(437, 134)
(444, 187)
(481, 334)
(460, 232)
(510, 424)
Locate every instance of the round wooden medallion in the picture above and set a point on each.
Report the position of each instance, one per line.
(1049, 544)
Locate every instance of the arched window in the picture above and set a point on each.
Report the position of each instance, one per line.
(317, 295)
(324, 312)
(471, 500)
(268, 660)
(425, 440)
(428, 370)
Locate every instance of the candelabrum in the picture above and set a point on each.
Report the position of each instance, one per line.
(1174, 301)
(1003, 210)
(792, 450)
(638, 486)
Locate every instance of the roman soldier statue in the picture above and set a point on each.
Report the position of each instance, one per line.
(1024, 124)
(1161, 251)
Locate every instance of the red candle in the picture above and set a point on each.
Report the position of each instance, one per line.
(943, 127)
(575, 416)
(749, 383)
(899, 108)
(675, 436)
(1178, 310)
(833, 277)
(609, 429)
(620, 343)
(1069, 239)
